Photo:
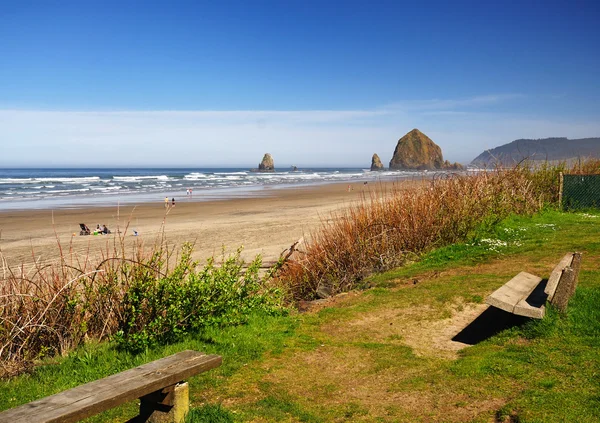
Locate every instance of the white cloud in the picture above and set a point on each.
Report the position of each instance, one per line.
(450, 105)
(240, 138)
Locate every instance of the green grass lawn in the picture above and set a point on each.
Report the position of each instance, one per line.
(386, 354)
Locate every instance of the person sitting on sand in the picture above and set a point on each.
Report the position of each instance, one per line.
(105, 230)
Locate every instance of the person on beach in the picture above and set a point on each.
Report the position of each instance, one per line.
(173, 202)
(166, 202)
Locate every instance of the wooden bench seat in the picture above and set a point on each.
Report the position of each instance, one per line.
(524, 295)
(154, 383)
(513, 294)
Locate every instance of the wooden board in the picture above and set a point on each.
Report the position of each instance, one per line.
(518, 288)
(556, 274)
(524, 309)
(95, 397)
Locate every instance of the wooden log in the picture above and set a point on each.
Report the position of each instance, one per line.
(561, 185)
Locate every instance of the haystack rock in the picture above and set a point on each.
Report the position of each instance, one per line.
(267, 164)
(376, 163)
(416, 150)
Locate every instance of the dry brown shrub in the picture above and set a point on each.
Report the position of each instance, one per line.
(49, 308)
(385, 231)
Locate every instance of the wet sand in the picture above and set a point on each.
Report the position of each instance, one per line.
(265, 226)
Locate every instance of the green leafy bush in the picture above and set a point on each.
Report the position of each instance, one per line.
(162, 310)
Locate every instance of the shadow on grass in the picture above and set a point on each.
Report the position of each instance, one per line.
(487, 324)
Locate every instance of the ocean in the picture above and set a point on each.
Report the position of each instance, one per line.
(76, 188)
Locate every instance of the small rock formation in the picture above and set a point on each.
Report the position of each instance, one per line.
(416, 150)
(267, 164)
(294, 168)
(453, 166)
(376, 163)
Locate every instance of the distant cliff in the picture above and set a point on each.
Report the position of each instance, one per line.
(546, 149)
(416, 150)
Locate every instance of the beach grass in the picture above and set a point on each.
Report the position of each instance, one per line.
(385, 354)
(138, 297)
(388, 230)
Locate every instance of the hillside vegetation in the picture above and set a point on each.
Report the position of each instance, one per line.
(386, 354)
(541, 150)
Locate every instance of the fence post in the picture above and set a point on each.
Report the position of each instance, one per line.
(560, 189)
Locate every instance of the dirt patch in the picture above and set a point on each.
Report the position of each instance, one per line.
(434, 338)
(416, 327)
(340, 376)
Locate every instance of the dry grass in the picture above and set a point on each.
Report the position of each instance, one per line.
(384, 232)
(50, 307)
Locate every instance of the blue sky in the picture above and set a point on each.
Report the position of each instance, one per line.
(312, 82)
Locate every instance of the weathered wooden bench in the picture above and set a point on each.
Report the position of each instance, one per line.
(159, 386)
(525, 295)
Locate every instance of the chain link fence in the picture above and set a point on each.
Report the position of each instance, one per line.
(580, 191)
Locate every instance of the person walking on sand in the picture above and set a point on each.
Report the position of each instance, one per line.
(173, 204)
(166, 202)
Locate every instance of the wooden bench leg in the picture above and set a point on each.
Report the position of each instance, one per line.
(567, 284)
(169, 405)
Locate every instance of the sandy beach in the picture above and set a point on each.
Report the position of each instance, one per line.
(265, 226)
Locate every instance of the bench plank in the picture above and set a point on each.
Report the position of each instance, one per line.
(556, 274)
(94, 397)
(518, 288)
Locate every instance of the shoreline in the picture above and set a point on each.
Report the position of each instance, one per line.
(91, 188)
(264, 225)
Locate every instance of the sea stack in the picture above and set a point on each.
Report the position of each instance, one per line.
(267, 164)
(416, 150)
(376, 163)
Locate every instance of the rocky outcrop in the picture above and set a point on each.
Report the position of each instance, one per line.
(267, 164)
(453, 166)
(376, 163)
(416, 150)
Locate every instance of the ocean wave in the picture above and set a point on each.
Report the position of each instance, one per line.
(61, 191)
(17, 180)
(49, 179)
(109, 188)
(195, 176)
(231, 173)
(140, 178)
(69, 180)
